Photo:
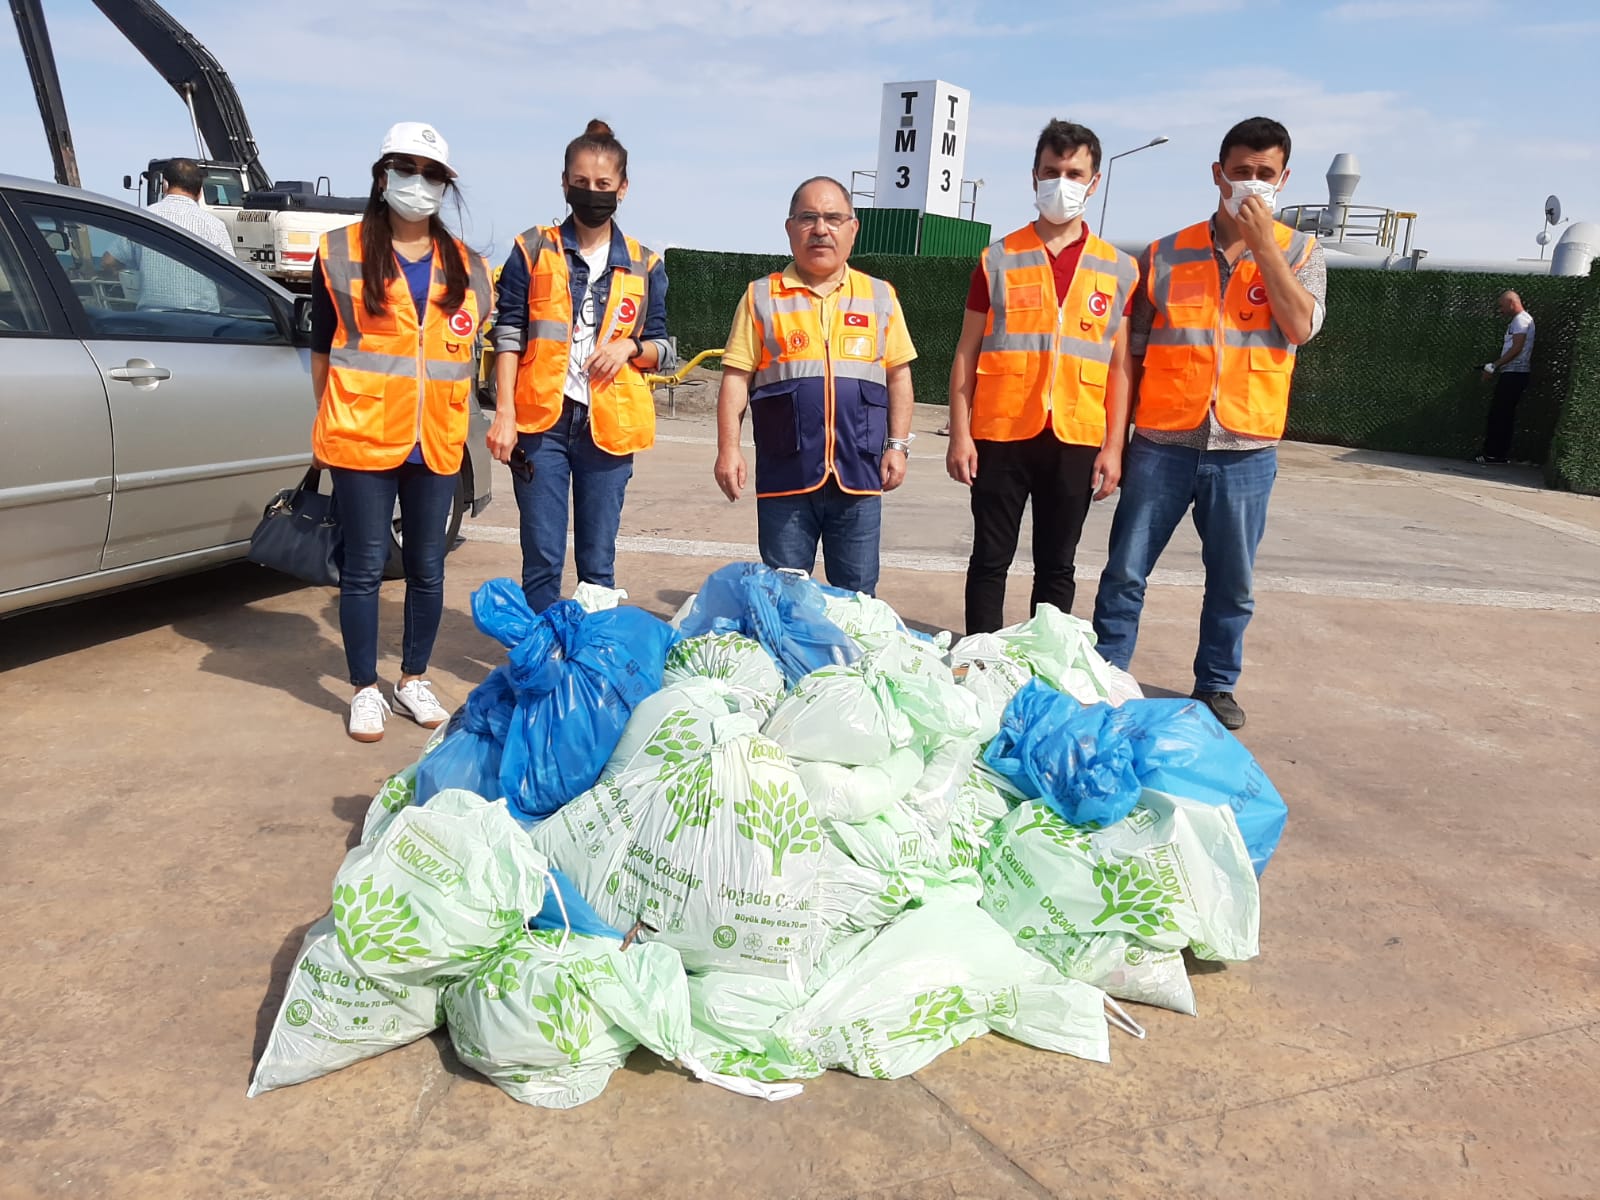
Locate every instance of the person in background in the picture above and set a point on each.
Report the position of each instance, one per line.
(1039, 387)
(582, 315)
(165, 283)
(398, 305)
(1222, 308)
(1510, 373)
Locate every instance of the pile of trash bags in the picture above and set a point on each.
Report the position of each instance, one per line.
(778, 835)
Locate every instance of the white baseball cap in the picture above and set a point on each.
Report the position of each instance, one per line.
(420, 139)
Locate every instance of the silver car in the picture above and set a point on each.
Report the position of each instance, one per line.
(156, 394)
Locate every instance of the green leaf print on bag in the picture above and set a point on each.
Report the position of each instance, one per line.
(375, 926)
(1134, 896)
(692, 798)
(775, 817)
(934, 1014)
(565, 1017)
(674, 741)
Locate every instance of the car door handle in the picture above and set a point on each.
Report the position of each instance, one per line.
(139, 371)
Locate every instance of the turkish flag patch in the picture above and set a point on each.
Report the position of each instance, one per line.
(1257, 294)
(461, 322)
(627, 310)
(1099, 304)
(856, 320)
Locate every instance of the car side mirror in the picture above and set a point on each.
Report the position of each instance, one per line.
(302, 320)
(127, 183)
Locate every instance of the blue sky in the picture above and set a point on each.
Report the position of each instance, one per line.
(1468, 111)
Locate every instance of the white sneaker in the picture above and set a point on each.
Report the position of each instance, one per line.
(417, 701)
(368, 713)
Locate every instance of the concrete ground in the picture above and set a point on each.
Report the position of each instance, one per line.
(1424, 1019)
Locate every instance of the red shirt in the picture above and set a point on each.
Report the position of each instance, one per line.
(1061, 265)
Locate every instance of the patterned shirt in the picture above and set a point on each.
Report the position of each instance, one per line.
(166, 283)
(1313, 276)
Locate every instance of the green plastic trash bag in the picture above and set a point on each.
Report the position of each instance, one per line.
(549, 1017)
(860, 793)
(398, 791)
(898, 694)
(731, 658)
(852, 898)
(672, 724)
(1117, 964)
(333, 1015)
(438, 888)
(714, 851)
(1053, 645)
(1173, 873)
(937, 976)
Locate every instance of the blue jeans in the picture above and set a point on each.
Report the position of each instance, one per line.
(1228, 490)
(565, 456)
(848, 527)
(366, 511)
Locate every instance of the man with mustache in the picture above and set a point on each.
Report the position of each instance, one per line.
(820, 355)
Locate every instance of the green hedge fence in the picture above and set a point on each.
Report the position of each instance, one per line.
(1397, 367)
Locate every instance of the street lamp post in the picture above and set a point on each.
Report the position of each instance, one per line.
(1105, 192)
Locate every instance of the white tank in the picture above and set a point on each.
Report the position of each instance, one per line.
(1344, 173)
(1574, 253)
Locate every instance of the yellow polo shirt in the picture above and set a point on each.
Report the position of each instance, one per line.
(742, 350)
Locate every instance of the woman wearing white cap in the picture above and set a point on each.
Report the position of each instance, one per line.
(398, 304)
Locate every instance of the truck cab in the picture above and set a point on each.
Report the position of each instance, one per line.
(275, 230)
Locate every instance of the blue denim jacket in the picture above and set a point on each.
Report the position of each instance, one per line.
(511, 313)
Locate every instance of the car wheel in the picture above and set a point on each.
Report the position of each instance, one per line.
(395, 568)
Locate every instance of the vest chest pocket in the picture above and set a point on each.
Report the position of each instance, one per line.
(1024, 297)
(772, 420)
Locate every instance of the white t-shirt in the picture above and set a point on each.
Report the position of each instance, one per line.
(1521, 323)
(585, 327)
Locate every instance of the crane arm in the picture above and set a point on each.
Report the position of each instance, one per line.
(36, 52)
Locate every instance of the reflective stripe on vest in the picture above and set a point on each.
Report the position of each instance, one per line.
(395, 381)
(1207, 347)
(622, 413)
(819, 403)
(1045, 359)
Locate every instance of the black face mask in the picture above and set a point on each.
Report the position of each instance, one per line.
(592, 209)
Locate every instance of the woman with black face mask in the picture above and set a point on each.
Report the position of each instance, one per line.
(582, 315)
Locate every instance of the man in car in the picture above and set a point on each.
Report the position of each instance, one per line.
(166, 283)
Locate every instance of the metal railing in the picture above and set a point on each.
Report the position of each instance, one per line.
(1353, 223)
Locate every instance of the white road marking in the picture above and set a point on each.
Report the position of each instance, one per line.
(940, 564)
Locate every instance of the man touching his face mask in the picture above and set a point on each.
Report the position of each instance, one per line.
(1040, 384)
(1223, 307)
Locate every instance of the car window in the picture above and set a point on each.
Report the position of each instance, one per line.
(224, 188)
(134, 282)
(19, 303)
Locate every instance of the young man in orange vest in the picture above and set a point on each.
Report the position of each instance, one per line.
(1223, 307)
(1040, 383)
(820, 355)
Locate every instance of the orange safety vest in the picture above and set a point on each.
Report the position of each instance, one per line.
(394, 381)
(622, 413)
(1045, 361)
(1206, 347)
(819, 404)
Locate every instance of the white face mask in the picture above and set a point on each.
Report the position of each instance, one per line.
(1240, 188)
(412, 196)
(1060, 200)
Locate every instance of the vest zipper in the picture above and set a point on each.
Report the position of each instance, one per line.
(828, 396)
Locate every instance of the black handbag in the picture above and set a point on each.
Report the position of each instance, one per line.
(299, 534)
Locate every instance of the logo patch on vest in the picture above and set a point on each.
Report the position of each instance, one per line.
(461, 322)
(798, 341)
(1257, 294)
(856, 347)
(627, 310)
(1099, 304)
(857, 320)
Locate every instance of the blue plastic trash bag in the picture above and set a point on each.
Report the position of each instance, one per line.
(783, 610)
(1180, 747)
(564, 907)
(469, 756)
(577, 676)
(1071, 757)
